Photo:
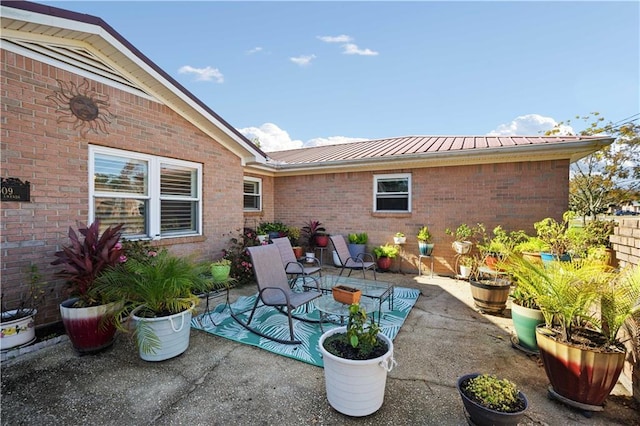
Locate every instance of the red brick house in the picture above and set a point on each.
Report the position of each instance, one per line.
(99, 131)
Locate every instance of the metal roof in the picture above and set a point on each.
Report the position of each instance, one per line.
(429, 151)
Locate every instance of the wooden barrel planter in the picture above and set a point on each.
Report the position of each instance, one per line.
(490, 296)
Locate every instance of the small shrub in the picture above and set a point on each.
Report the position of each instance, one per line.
(491, 392)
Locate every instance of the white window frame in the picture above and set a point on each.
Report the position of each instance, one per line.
(259, 194)
(155, 163)
(398, 176)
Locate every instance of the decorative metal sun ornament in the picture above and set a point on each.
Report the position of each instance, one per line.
(83, 106)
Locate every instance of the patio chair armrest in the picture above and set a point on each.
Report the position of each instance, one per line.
(315, 280)
(299, 265)
(362, 257)
(286, 295)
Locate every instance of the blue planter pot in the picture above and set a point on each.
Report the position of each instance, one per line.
(548, 257)
(425, 248)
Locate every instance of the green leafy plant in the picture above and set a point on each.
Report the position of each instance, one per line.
(356, 238)
(554, 233)
(386, 250)
(162, 286)
(424, 234)
(399, 234)
(502, 241)
(237, 254)
(491, 392)
(360, 340)
(598, 232)
(294, 235)
(530, 245)
(31, 298)
(268, 227)
(87, 256)
(620, 300)
(309, 232)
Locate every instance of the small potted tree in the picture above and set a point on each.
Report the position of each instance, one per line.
(584, 304)
(424, 241)
(385, 253)
(157, 293)
(489, 400)
(556, 237)
(356, 360)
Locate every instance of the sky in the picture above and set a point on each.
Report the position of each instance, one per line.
(299, 74)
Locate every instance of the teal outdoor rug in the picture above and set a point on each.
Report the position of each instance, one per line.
(271, 322)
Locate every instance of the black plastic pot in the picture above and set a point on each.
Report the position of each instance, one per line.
(483, 416)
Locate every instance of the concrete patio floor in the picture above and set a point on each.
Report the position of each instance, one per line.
(220, 382)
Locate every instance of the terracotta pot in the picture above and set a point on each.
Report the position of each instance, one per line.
(532, 257)
(579, 375)
(346, 295)
(298, 252)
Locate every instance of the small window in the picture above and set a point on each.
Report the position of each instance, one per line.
(252, 194)
(392, 193)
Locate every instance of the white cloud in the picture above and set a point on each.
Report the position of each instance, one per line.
(336, 39)
(254, 50)
(529, 125)
(273, 138)
(352, 49)
(203, 74)
(303, 60)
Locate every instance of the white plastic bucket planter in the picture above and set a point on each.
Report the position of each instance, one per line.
(172, 331)
(356, 387)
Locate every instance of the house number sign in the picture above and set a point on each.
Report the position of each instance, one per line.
(13, 189)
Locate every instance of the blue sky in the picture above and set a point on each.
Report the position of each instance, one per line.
(298, 74)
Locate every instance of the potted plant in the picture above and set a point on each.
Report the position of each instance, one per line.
(87, 315)
(220, 270)
(525, 312)
(357, 244)
(385, 254)
(498, 247)
(356, 360)
(272, 229)
(490, 289)
(530, 248)
(294, 236)
(584, 304)
(556, 237)
(461, 235)
(314, 235)
(399, 238)
(424, 241)
(466, 266)
(158, 295)
(597, 233)
(17, 325)
(489, 400)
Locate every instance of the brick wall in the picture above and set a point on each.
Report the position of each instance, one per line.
(53, 157)
(626, 243)
(514, 195)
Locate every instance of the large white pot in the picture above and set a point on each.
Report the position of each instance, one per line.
(356, 387)
(17, 332)
(172, 331)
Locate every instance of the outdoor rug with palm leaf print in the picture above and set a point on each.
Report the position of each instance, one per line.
(268, 320)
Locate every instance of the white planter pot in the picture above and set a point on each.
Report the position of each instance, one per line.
(399, 240)
(17, 332)
(355, 387)
(462, 247)
(172, 331)
(336, 259)
(465, 271)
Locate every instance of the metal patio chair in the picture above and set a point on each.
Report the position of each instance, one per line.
(274, 291)
(363, 262)
(292, 266)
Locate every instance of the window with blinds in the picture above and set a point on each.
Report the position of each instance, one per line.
(392, 193)
(152, 196)
(252, 194)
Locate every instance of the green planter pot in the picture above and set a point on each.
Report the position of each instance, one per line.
(220, 272)
(525, 321)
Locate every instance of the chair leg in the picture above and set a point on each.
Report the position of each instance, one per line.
(253, 311)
